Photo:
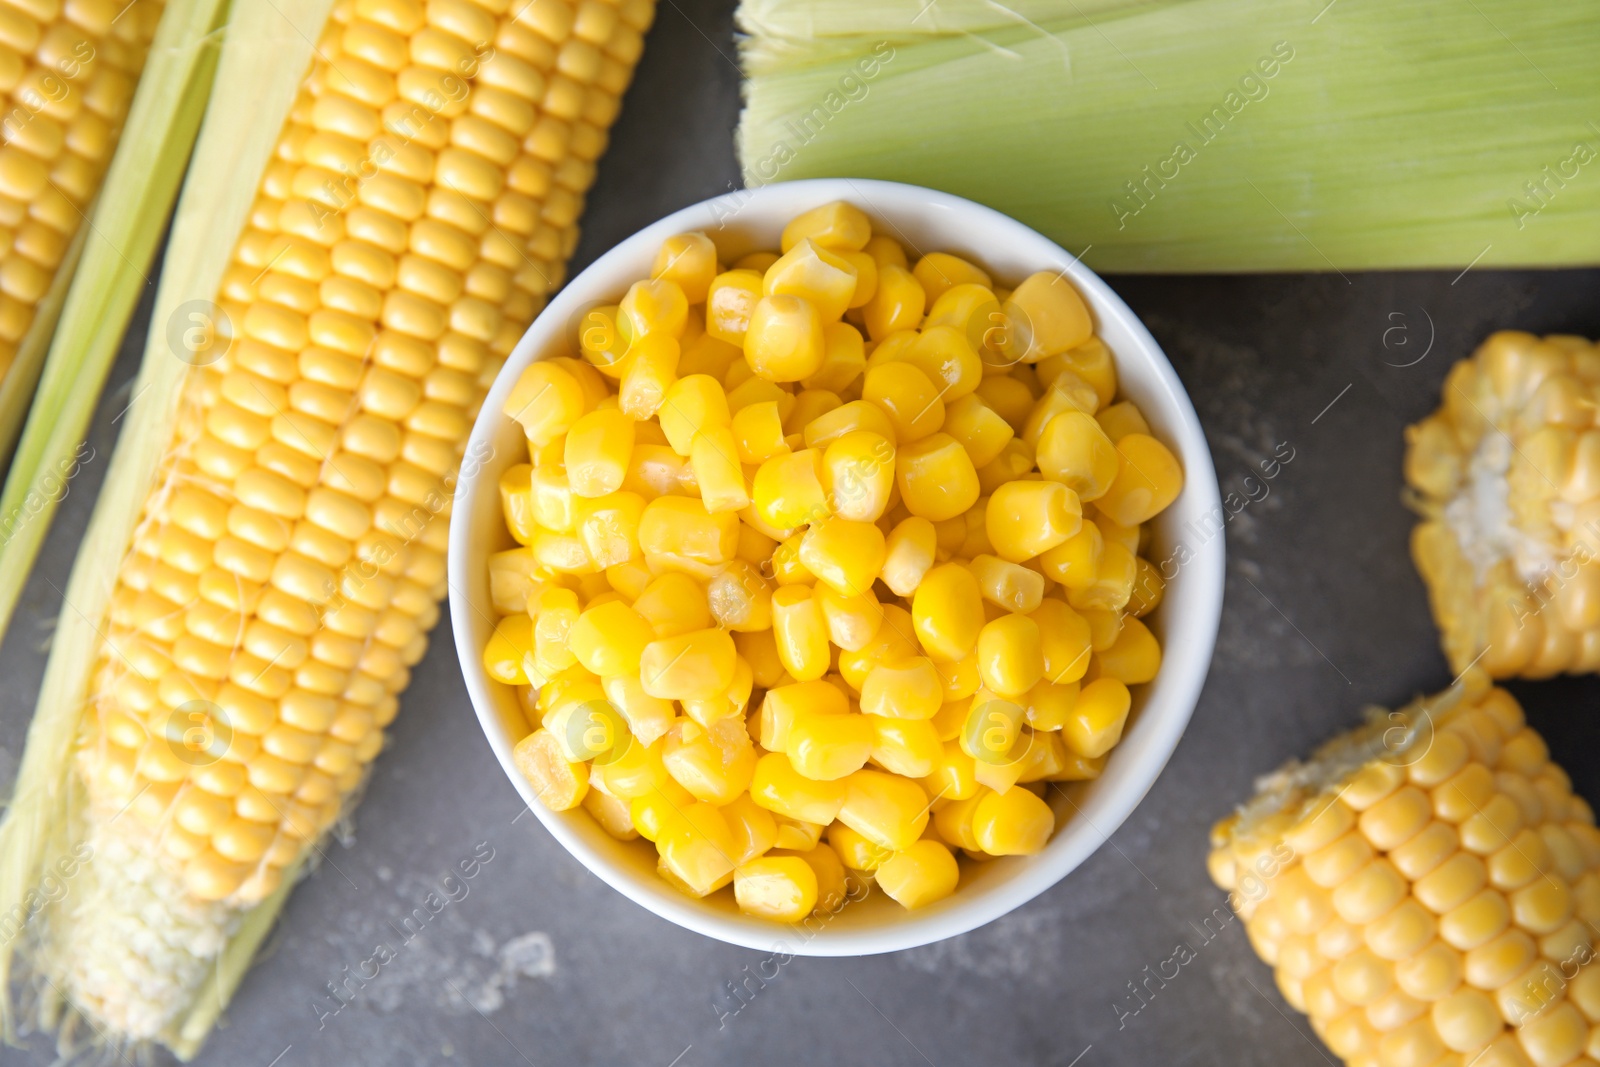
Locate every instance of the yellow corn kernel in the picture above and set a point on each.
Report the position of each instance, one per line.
(801, 632)
(907, 747)
(1075, 562)
(714, 764)
(886, 809)
(610, 639)
(958, 677)
(674, 604)
(652, 368)
(919, 875)
(897, 303)
(730, 302)
(1134, 658)
(547, 400)
(1113, 581)
(758, 432)
(608, 527)
(677, 526)
(1090, 361)
(653, 811)
(655, 306)
(853, 621)
(1049, 704)
(557, 611)
(907, 688)
(1121, 419)
(1148, 589)
(781, 789)
(858, 475)
(829, 747)
(697, 665)
(1008, 585)
(1075, 451)
(1013, 823)
(604, 335)
(1010, 655)
(1045, 316)
(908, 554)
(947, 611)
(913, 404)
(786, 566)
(715, 459)
(597, 451)
(740, 598)
(696, 848)
(781, 888)
(844, 357)
(647, 717)
(611, 813)
(992, 728)
(552, 500)
(1067, 392)
(560, 785)
(787, 490)
(953, 821)
(836, 225)
(1025, 518)
(693, 403)
(784, 340)
(936, 478)
(979, 429)
(828, 427)
(511, 580)
(753, 828)
(1148, 479)
(855, 851)
(1015, 461)
(690, 261)
(846, 556)
(784, 705)
(939, 272)
(1097, 717)
(516, 502)
(824, 278)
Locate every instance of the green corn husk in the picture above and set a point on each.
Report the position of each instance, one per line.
(1411, 134)
(110, 252)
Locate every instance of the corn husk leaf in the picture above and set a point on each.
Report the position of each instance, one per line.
(1411, 134)
(115, 248)
(264, 57)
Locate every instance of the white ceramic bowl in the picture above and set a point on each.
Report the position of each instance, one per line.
(1186, 622)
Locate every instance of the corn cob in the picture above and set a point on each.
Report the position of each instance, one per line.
(1427, 889)
(66, 77)
(288, 560)
(1506, 475)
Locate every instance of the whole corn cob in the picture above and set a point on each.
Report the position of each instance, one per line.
(287, 559)
(1506, 475)
(67, 73)
(1427, 889)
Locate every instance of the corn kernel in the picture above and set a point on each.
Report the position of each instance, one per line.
(829, 747)
(1097, 717)
(947, 611)
(823, 277)
(785, 704)
(715, 458)
(696, 848)
(730, 302)
(846, 556)
(1075, 451)
(828, 427)
(788, 490)
(610, 639)
(913, 404)
(1045, 316)
(758, 432)
(801, 632)
(896, 304)
(855, 851)
(904, 689)
(836, 225)
(694, 666)
(919, 875)
(852, 621)
(936, 478)
(979, 428)
(784, 340)
(908, 554)
(907, 747)
(597, 451)
(1025, 518)
(559, 785)
(715, 764)
(939, 272)
(692, 404)
(781, 789)
(608, 527)
(1010, 655)
(547, 400)
(690, 261)
(652, 368)
(682, 527)
(886, 809)
(781, 888)
(858, 475)
(1008, 585)
(844, 356)
(1148, 479)
(655, 306)
(1013, 823)
(1134, 658)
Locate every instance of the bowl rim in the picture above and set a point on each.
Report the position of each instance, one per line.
(1185, 663)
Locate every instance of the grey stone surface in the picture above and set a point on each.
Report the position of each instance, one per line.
(538, 962)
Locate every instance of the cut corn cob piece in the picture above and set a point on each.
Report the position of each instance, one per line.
(1506, 476)
(1426, 888)
(279, 506)
(66, 77)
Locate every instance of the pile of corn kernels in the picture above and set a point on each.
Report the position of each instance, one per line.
(828, 565)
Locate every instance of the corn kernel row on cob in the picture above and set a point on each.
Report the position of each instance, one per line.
(1506, 475)
(420, 203)
(1428, 893)
(67, 73)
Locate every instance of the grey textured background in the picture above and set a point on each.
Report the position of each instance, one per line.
(1324, 614)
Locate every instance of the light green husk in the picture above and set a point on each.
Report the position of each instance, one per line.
(263, 60)
(1409, 134)
(113, 251)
